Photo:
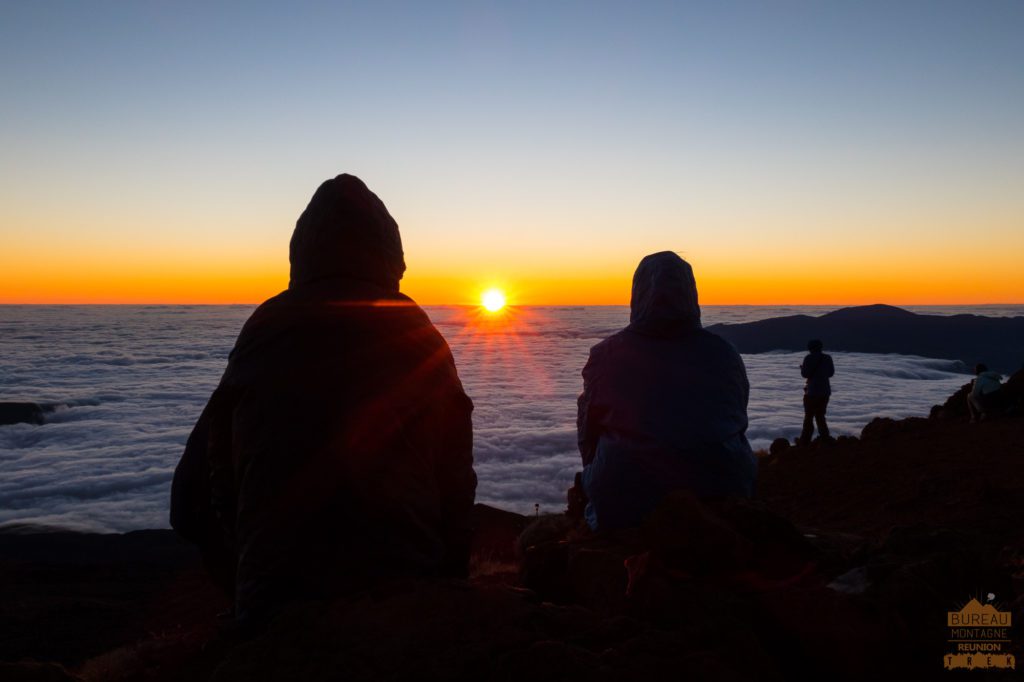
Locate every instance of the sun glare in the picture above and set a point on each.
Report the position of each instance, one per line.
(493, 300)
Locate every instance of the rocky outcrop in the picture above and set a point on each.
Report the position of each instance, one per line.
(779, 446)
(24, 413)
(996, 341)
(955, 405)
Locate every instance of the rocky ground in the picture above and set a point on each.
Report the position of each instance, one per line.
(843, 567)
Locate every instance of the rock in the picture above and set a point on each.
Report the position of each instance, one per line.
(32, 671)
(495, 533)
(778, 446)
(1014, 388)
(955, 406)
(854, 581)
(689, 536)
(833, 636)
(883, 427)
(576, 498)
(68, 597)
(732, 542)
(550, 528)
(23, 413)
(544, 570)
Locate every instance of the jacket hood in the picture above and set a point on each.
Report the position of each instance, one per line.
(664, 297)
(346, 231)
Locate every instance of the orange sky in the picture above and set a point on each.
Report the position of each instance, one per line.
(70, 280)
(846, 153)
(94, 246)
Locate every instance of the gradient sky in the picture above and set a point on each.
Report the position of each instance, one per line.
(793, 152)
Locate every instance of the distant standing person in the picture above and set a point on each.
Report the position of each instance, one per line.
(817, 368)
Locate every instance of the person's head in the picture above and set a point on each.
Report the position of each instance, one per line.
(347, 232)
(980, 367)
(814, 345)
(664, 295)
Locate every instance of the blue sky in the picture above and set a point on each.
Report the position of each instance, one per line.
(513, 132)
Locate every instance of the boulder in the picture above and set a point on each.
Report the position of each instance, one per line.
(883, 427)
(33, 671)
(23, 413)
(955, 406)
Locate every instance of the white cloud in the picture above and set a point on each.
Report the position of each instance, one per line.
(132, 381)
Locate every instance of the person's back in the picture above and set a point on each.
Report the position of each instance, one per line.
(337, 448)
(986, 382)
(664, 405)
(817, 368)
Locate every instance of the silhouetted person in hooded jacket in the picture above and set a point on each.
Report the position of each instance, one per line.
(664, 405)
(337, 449)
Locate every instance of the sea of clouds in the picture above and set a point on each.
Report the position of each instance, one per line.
(130, 382)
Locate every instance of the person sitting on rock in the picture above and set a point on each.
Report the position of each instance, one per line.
(986, 396)
(664, 405)
(817, 368)
(337, 449)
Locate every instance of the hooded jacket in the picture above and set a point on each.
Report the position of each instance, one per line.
(337, 448)
(664, 404)
(985, 383)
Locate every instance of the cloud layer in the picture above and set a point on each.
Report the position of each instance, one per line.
(131, 381)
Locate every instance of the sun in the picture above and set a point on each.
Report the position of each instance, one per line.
(493, 300)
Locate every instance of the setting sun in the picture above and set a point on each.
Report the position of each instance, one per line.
(493, 300)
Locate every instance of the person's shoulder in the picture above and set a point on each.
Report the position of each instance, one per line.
(270, 303)
(408, 309)
(404, 302)
(267, 309)
(717, 343)
(411, 319)
(609, 343)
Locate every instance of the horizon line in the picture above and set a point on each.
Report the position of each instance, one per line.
(531, 305)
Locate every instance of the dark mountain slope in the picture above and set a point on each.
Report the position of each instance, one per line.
(996, 341)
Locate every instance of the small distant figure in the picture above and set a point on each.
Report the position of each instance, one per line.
(337, 450)
(817, 368)
(664, 405)
(986, 396)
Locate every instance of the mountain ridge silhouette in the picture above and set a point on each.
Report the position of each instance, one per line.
(879, 328)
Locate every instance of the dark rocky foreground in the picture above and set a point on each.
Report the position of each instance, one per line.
(996, 341)
(843, 568)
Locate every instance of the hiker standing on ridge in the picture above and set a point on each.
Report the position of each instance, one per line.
(817, 367)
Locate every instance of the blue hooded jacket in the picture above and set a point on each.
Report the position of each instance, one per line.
(664, 404)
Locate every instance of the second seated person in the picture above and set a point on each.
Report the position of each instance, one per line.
(664, 405)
